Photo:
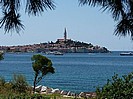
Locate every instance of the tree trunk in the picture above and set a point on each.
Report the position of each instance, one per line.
(34, 84)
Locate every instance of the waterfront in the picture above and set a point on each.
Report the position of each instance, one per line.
(73, 71)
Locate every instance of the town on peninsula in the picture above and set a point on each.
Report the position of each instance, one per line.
(63, 45)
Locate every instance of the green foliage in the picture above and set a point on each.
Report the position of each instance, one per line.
(121, 10)
(11, 12)
(2, 81)
(42, 66)
(118, 88)
(24, 96)
(122, 13)
(1, 56)
(33, 96)
(17, 89)
(19, 83)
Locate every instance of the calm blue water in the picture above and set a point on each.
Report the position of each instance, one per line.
(75, 72)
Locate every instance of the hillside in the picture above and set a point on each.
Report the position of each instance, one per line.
(65, 46)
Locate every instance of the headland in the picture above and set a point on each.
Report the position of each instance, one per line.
(63, 45)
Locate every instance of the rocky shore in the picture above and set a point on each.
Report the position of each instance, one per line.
(47, 90)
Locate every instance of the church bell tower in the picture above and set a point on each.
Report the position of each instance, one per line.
(65, 35)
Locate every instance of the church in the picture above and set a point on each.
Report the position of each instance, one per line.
(65, 39)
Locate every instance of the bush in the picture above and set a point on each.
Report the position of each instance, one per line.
(117, 88)
(1, 56)
(2, 81)
(24, 96)
(19, 83)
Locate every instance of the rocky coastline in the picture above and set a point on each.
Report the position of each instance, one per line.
(47, 90)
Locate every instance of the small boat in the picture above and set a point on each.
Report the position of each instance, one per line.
(58, 53)
(49, 52)
(54, 53)
(126, 54)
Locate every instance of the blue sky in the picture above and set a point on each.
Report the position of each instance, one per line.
(83, 23)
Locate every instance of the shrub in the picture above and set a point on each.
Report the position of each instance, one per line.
(19, 83)
(117, 88)
(2, 81)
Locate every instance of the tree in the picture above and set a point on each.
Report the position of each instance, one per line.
(1, 56)
(117, 88)
(121, 10)
(11, 16)
(41, 66)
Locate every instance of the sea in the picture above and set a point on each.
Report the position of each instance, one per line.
(76, 72)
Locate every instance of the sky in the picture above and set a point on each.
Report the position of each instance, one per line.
(83, 23)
